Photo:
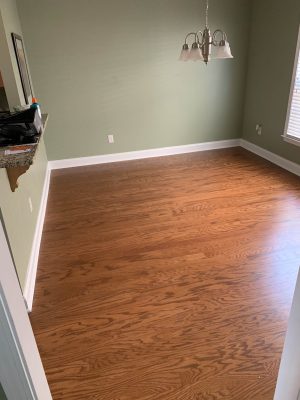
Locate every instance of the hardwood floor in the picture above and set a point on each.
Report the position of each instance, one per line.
(168, 278)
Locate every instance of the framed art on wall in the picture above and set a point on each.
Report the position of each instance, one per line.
(23, 67)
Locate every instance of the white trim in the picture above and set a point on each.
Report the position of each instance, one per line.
(274, 158)
(285, 135)
(136, 155)
(133, 155)
(287, 386)
(12, 359)
(21, 371)
(84, 161)
(291, 140)
(34, 257)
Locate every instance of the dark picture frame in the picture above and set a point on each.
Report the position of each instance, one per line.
(23, 67)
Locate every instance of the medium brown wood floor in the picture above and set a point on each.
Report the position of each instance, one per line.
(168, 278)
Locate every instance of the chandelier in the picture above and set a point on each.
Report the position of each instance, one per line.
(201, 49)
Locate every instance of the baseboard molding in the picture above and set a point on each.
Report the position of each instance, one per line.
(273, 158)
(34, 257)
(136, 155)
(84, 161)
(132, 155)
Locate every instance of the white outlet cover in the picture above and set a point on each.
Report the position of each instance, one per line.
(30, 204)
(110, 139)
(259, 129)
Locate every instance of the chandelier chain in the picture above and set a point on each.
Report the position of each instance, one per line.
(206, 15)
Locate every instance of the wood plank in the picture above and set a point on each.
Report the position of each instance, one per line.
(167, 278)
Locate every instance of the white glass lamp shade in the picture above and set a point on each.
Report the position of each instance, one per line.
(223, 51)
(185, 53)
(196, 53)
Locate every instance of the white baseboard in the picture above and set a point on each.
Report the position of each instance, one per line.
(76, 162)
(133, 155)
(34, 257)
(273, 158)
(136, 155)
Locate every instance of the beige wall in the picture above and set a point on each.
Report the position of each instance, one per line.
(103, 67)
(20, 222)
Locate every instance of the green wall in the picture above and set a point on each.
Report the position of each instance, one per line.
(274, 32)
(103, 67)
(19, 221)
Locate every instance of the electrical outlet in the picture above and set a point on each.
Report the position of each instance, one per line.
(110, 139)
(259, 129)
(30, 204)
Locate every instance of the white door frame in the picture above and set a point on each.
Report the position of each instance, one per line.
(288, 384)
(22, 375)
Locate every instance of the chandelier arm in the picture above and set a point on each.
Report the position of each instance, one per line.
(200, 33)
(216, 42)
(190, 34)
